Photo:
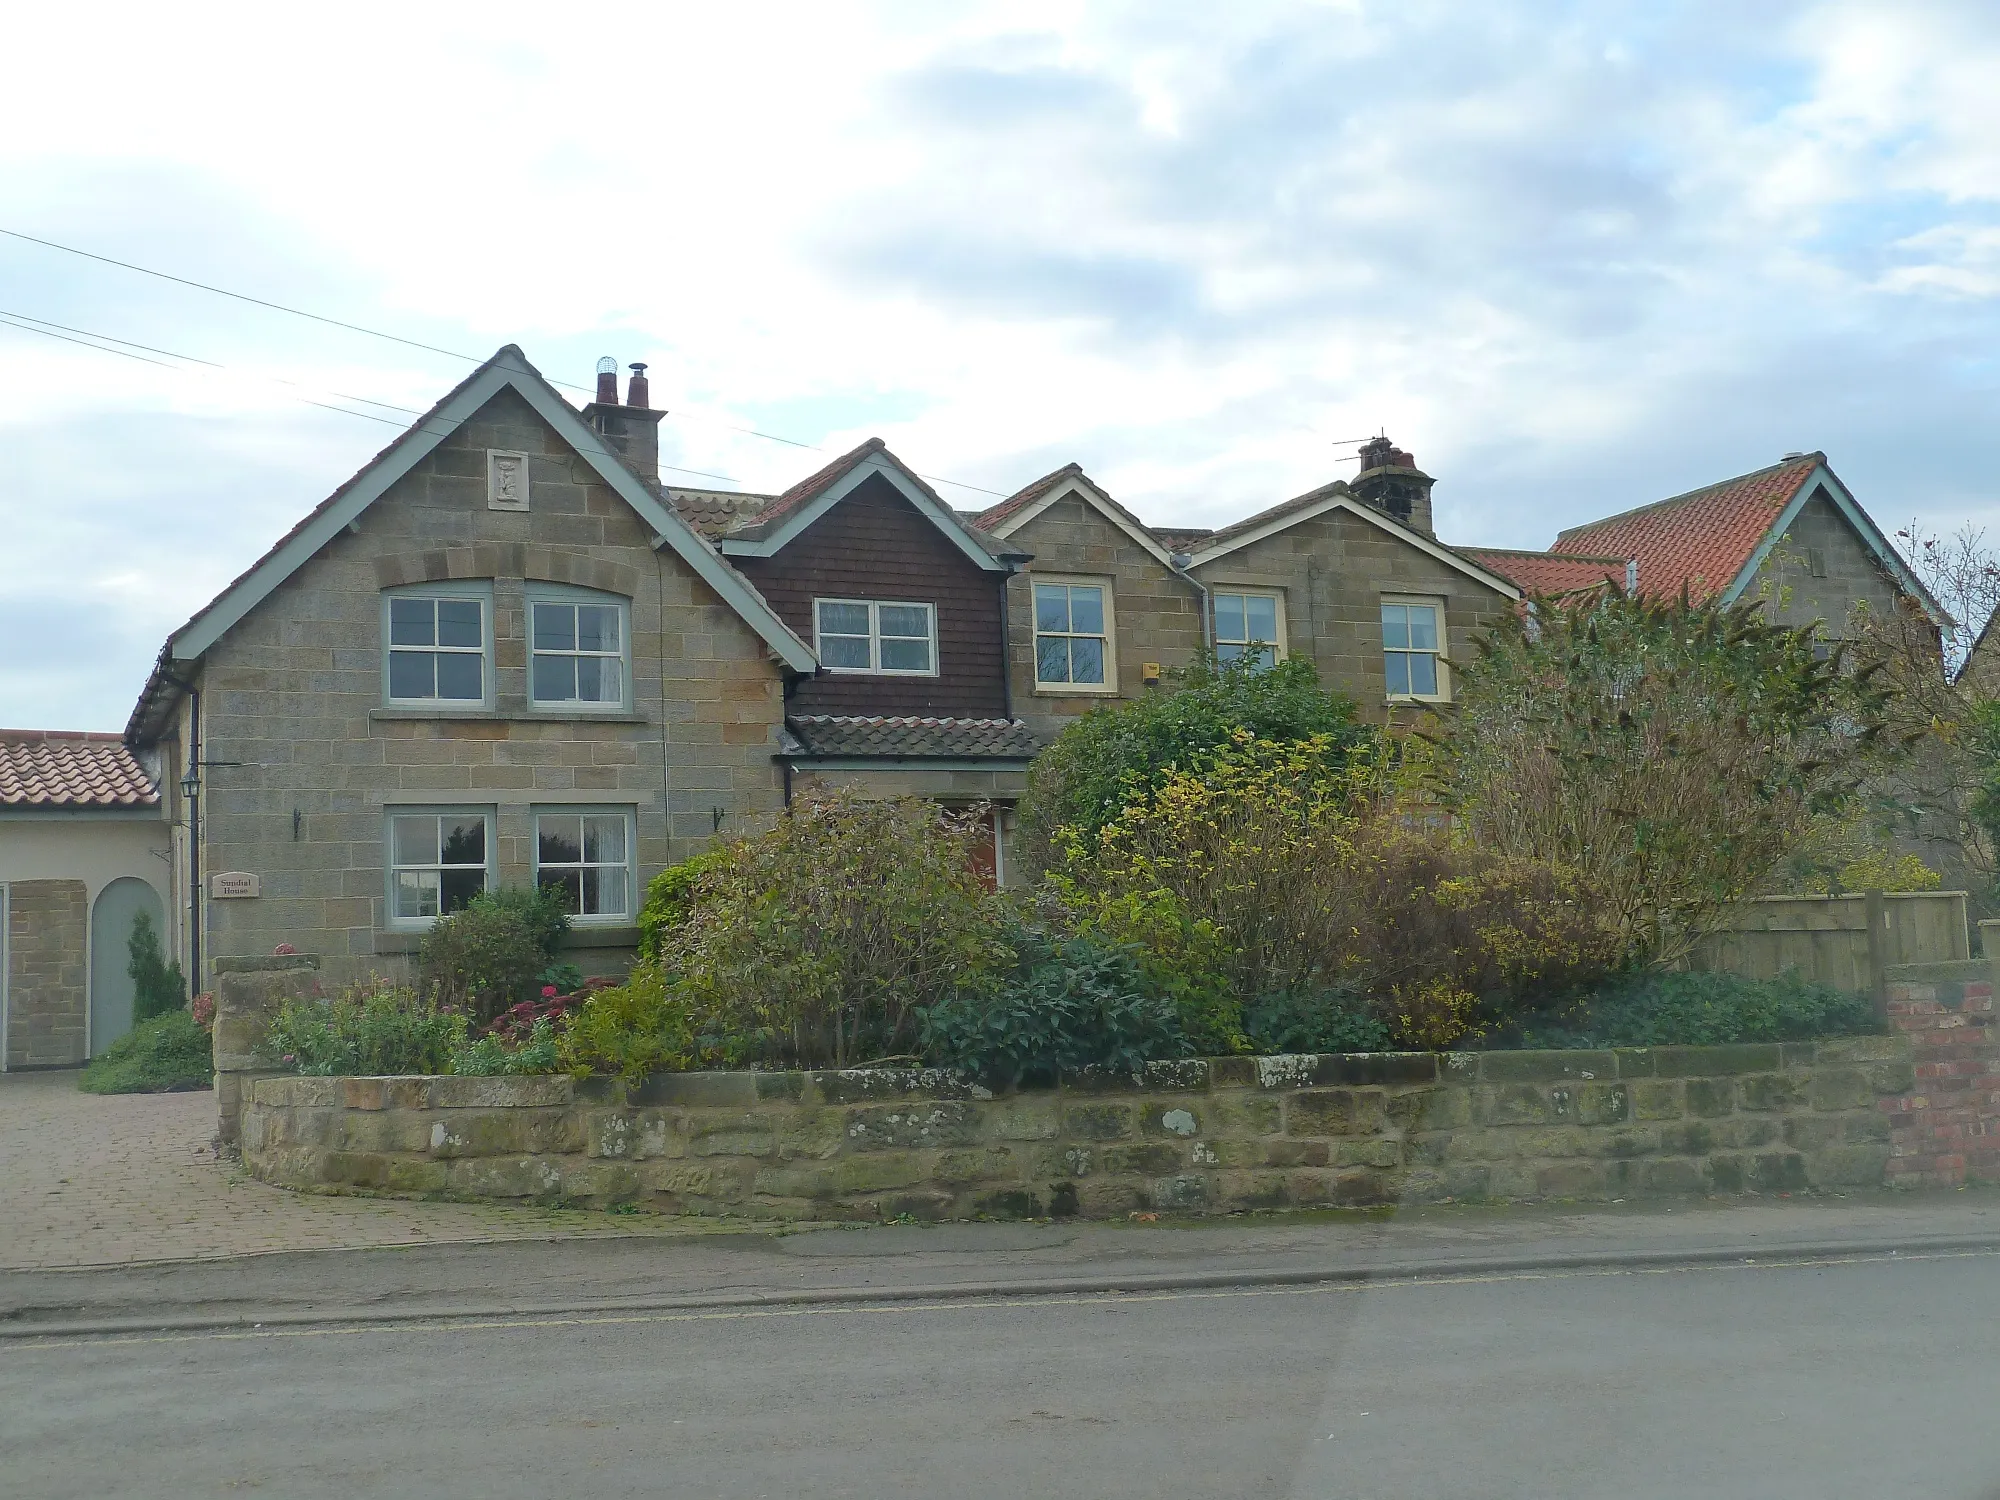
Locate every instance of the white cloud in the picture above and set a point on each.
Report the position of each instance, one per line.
(1574, 259)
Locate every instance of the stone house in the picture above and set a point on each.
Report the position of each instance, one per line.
(83, 851)
(496, 655)
(1350, 574)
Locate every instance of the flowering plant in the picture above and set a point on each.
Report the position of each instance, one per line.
(202, 1008)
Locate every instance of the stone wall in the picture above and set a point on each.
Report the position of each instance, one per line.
(1197, 1136)
(48, 940)
(248, 993)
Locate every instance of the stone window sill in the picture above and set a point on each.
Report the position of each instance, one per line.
(579, 937)
(497, 716)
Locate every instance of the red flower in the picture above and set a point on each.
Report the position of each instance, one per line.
(548, 992)
(284, 950)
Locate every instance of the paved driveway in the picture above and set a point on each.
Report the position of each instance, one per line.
(121, 1179)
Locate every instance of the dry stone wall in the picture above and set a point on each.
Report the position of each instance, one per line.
(1197, 1136)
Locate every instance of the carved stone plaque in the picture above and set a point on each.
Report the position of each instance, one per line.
(506, 480)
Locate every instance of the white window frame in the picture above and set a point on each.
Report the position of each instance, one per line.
(628, 816)
(1105, 689)
(397, 922)
(479, 592)
(1240, 591)
(874, 608)
(1436, 605)
(557, 594)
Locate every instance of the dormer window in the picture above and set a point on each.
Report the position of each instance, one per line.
(882, 637)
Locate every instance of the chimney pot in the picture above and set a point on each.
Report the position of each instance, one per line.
(607, 381)
(637, 393)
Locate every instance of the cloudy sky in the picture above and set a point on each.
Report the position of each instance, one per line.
(1575, 256)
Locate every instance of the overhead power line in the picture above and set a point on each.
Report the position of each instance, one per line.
(395, 338)
(86, 336)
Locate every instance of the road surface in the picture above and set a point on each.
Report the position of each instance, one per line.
(1862, 1377)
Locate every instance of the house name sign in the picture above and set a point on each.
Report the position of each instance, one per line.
(233, 885)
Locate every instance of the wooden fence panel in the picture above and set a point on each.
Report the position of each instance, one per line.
(1827, 938)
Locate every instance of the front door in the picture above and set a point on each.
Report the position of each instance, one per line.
(118, 904)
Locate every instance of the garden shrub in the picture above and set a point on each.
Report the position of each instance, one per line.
(1313, 1021)
(1700, 1010)
(493, 952)
(157, 986)
(1115, 756)
(1448, 935)
(1279, 869)
(1673, 753)
(630, 1030)
(820, 940)
(670, 896)
(535, 1051)
(1233, 865)
(165, 1054)
(1069, 1003)
(371, 1030)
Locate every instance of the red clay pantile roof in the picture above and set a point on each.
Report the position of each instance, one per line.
(715, 513)
(976, 739)
(54, 768)
(1182, 538)
(1547, 572)
(1702, 538)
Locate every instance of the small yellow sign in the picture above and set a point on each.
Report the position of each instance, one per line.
(233, 885)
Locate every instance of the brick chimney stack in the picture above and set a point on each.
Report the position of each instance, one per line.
(1391, 482)
(630, 429)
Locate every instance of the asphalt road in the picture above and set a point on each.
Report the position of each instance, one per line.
(1859, 1378)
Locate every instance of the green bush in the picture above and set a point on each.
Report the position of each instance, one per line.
(1314, 1021)
(639, 1027)
(1070, 1003)
(671, 894)
(492, 953)
(157, 986)
(1114, 756)
(161, 1055)
(490, 1056)
(819, 941)
(1701, 1010)
(370, 1031)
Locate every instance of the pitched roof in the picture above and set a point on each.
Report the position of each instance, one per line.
(508, 368)
(1340, 496)
(995, 516)
(821, 480)
(1018, 509)
(52, 768)
(1284, 508)
(1704, 537)
(1548, 572)
(956, 739)
(783, 518)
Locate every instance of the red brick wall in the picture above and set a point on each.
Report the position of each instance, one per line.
(1946, 1130)
(875, 545)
